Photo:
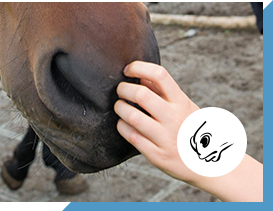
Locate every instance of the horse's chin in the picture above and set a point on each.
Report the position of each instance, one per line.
(84, 154)
(70, 161)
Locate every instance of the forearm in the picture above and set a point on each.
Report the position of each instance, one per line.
(245, 183)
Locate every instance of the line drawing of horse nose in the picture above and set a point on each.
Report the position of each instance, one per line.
(205, 151)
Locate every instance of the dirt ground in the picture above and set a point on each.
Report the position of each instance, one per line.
(220, 68)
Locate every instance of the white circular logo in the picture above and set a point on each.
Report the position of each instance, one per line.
(212, 142)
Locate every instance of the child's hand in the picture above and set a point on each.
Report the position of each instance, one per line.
(154, 136)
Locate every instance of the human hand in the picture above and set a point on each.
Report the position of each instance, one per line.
(154, 136)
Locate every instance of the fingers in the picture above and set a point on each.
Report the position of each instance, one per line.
(144, 124)
(144, 97)
(143, 145)
(150, 85)
(158, 75)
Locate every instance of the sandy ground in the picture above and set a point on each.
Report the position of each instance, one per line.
(214, 68)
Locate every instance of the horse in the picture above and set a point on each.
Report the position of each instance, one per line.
(60, 64)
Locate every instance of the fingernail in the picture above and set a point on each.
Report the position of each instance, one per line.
(125, 69)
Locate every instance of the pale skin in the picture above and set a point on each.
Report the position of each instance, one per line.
(155, 136)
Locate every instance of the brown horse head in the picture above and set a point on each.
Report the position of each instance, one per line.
(60, 63)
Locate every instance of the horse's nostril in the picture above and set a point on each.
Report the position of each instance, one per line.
(78, 79)
(63, 85)
(205, 140)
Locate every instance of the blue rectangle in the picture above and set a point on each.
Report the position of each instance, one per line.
(161, 206)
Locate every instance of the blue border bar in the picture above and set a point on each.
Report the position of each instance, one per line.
(162, 206)
(268, 101)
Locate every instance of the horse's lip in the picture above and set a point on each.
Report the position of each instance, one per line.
(208, 157)
(77, 166)
(74, 163)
